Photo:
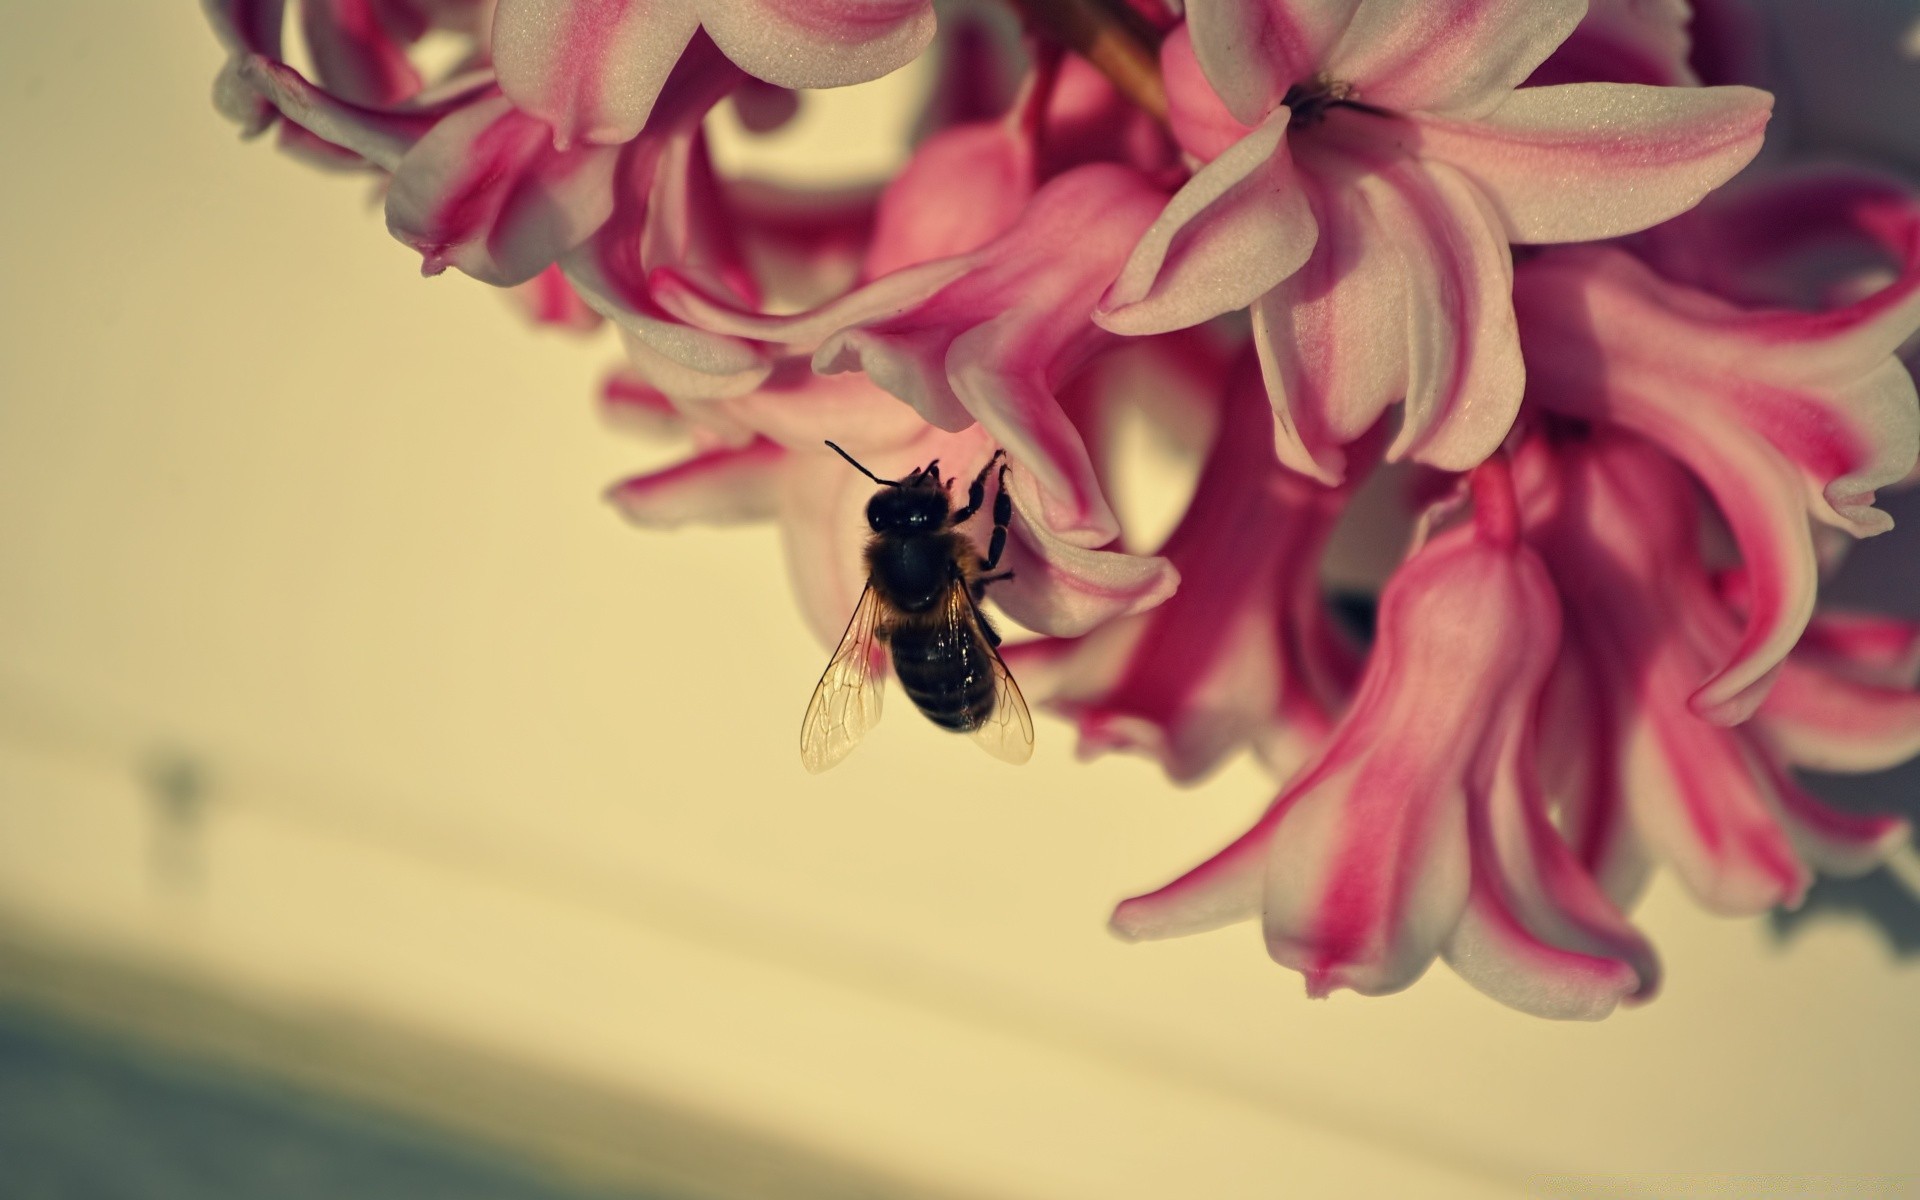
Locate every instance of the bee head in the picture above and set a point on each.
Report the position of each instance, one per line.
(916, 503)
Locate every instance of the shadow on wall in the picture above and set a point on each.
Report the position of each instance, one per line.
(86, 1116)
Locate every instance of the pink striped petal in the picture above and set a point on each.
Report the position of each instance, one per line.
(1538, 934)
(1237, 228)
(248, 29)
(381, 136)
(548, 299)
(1459, 57)
(1826, 722)
(819, 43)
(1062, 589)
(1364, 865)
(1325, 336)
(1408, 245)
(593, 69)
(590, 69)
(1777, 427)
(1253, 50)
(1595, 160)
(717, 487)
(359, 51)
(1835, 842)
(1244, 644)
(983, 337)
(1464, 370)
(1702, 798)
(486, 192)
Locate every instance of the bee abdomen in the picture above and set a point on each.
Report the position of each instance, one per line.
(947, 674)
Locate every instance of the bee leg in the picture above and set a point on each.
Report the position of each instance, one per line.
(1002, 516)
(977, 493)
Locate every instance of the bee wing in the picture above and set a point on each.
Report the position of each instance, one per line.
(846, 702)
(1007, 732)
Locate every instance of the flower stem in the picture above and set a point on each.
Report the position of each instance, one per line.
(1117, 40)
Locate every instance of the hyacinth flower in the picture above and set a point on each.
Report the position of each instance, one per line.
(1367, 165)
(1420, 828)
(1324, 244)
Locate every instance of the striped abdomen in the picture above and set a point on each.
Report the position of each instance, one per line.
(946, 670)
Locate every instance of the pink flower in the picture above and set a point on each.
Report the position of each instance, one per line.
(1623, 468)
(1366, 166)
(1420, 828)
(593, 69)
(1644, 780)
(1245, 653)
(983, 336)
(1786, 417)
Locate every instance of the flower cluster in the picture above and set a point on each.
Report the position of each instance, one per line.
(1497, 310)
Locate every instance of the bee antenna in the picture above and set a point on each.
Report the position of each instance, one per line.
(856, 466)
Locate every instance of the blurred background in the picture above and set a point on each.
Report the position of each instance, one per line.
(380, 816)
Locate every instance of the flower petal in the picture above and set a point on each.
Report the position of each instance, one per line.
(1245, 644)
(1459, 57)
(718, 487)
(1823, 721)
(1835, 842)
(591, 69)
(1063, 589)
(1538, 934)
(486, 192)
(1253, 50)
(819, 43)
(356, 52)
(248, 29)
(1776, 423)
(1583, 161)
(1625, 41)
(1701, 798)
(1237, 228)
(1464, 372)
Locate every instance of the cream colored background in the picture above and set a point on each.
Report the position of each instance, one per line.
(481, 761)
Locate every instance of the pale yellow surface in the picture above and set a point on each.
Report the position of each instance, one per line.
(483, 761)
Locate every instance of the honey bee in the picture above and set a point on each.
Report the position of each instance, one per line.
(925, 581)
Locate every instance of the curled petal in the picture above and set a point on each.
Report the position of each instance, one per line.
(1835, 842)
(1537, 933)
(1778, 427)
(718, 487)
(819, 43)
(357, 51)
(248, 29)
(1459, 57)
(1702, 798)
(486, 192)
(1063, 589)
(381, 136)
(984, 337)
(1364, 862)
(1584, 161)
(1826, 722)
(1238, 227)
(589, 69)
(1244, 645)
